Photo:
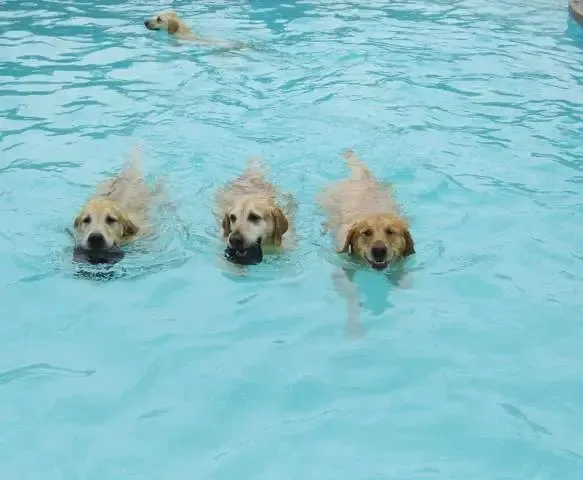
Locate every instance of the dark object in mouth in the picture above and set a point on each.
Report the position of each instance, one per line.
(247, 256)
(97, 257)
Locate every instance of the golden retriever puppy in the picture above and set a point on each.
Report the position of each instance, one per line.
(365, 219)
(367, 225)
(115, 215)
(171, 22)
(251, 219)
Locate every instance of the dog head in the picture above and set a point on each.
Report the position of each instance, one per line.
(101, 226)
(168, 21)
(379, 240)
(251, 220)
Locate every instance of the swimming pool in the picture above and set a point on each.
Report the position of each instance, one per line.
(176, 370)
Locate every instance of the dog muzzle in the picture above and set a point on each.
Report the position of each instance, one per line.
(251, 255)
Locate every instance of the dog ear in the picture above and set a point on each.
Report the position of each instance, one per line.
(173, 25)
(130, 229)
(226, 225)
(280, 225)
(348, 247)
(409, 245)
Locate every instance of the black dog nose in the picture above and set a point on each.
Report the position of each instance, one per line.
(146, 23)
(236, 240)
(379, 251)
(96, 241)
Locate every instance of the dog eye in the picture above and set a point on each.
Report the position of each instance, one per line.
(110, 220)
(389, 231)
(233, 218)
(87, 220)
(159, 19)
(253, 218)
(367, 233)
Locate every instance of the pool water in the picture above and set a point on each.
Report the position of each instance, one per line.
(175, 368)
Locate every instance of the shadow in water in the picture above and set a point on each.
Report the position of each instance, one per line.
(574, 33)
(368, 290)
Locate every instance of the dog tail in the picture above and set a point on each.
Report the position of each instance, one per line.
(358, 169)
(133, 166)
(254, 167)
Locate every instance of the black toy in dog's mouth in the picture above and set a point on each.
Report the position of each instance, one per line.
(110, 256)
(251, 255)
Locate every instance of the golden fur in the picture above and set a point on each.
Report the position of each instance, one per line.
(365, 218)
(367, 225)
(248, 208)
(171, 22)
(118, 212)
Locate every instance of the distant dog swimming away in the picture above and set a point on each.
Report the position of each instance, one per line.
(366, 223)
(171, 23)
(116, 215)
(252, 221)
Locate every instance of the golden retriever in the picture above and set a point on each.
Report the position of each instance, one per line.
(367, 225)
(365, 218)
(251, 219)
(171, 22)
(117, 214)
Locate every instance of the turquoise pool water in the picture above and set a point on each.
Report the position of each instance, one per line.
(175, 370)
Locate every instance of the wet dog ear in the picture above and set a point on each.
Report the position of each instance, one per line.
(409, 245)
(173, 25)
(130, 229)
(226, 225)
(280, 225)
(348, 242)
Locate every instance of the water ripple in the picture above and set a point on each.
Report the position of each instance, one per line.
(40, 370)
(470, 108)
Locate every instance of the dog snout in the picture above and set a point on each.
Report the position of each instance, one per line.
(96, 241)
(147, 23)
(379, 251)
(236, 240)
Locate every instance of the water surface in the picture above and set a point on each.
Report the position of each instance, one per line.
(175, 369)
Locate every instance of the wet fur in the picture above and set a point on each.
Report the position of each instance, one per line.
(354, 206)
(361, 212)
(171, 22)
(251, 193)
(125, 198)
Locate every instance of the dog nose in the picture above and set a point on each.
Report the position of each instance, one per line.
(96, 241)
(146, 23)
(379, 251)
(236, 240)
